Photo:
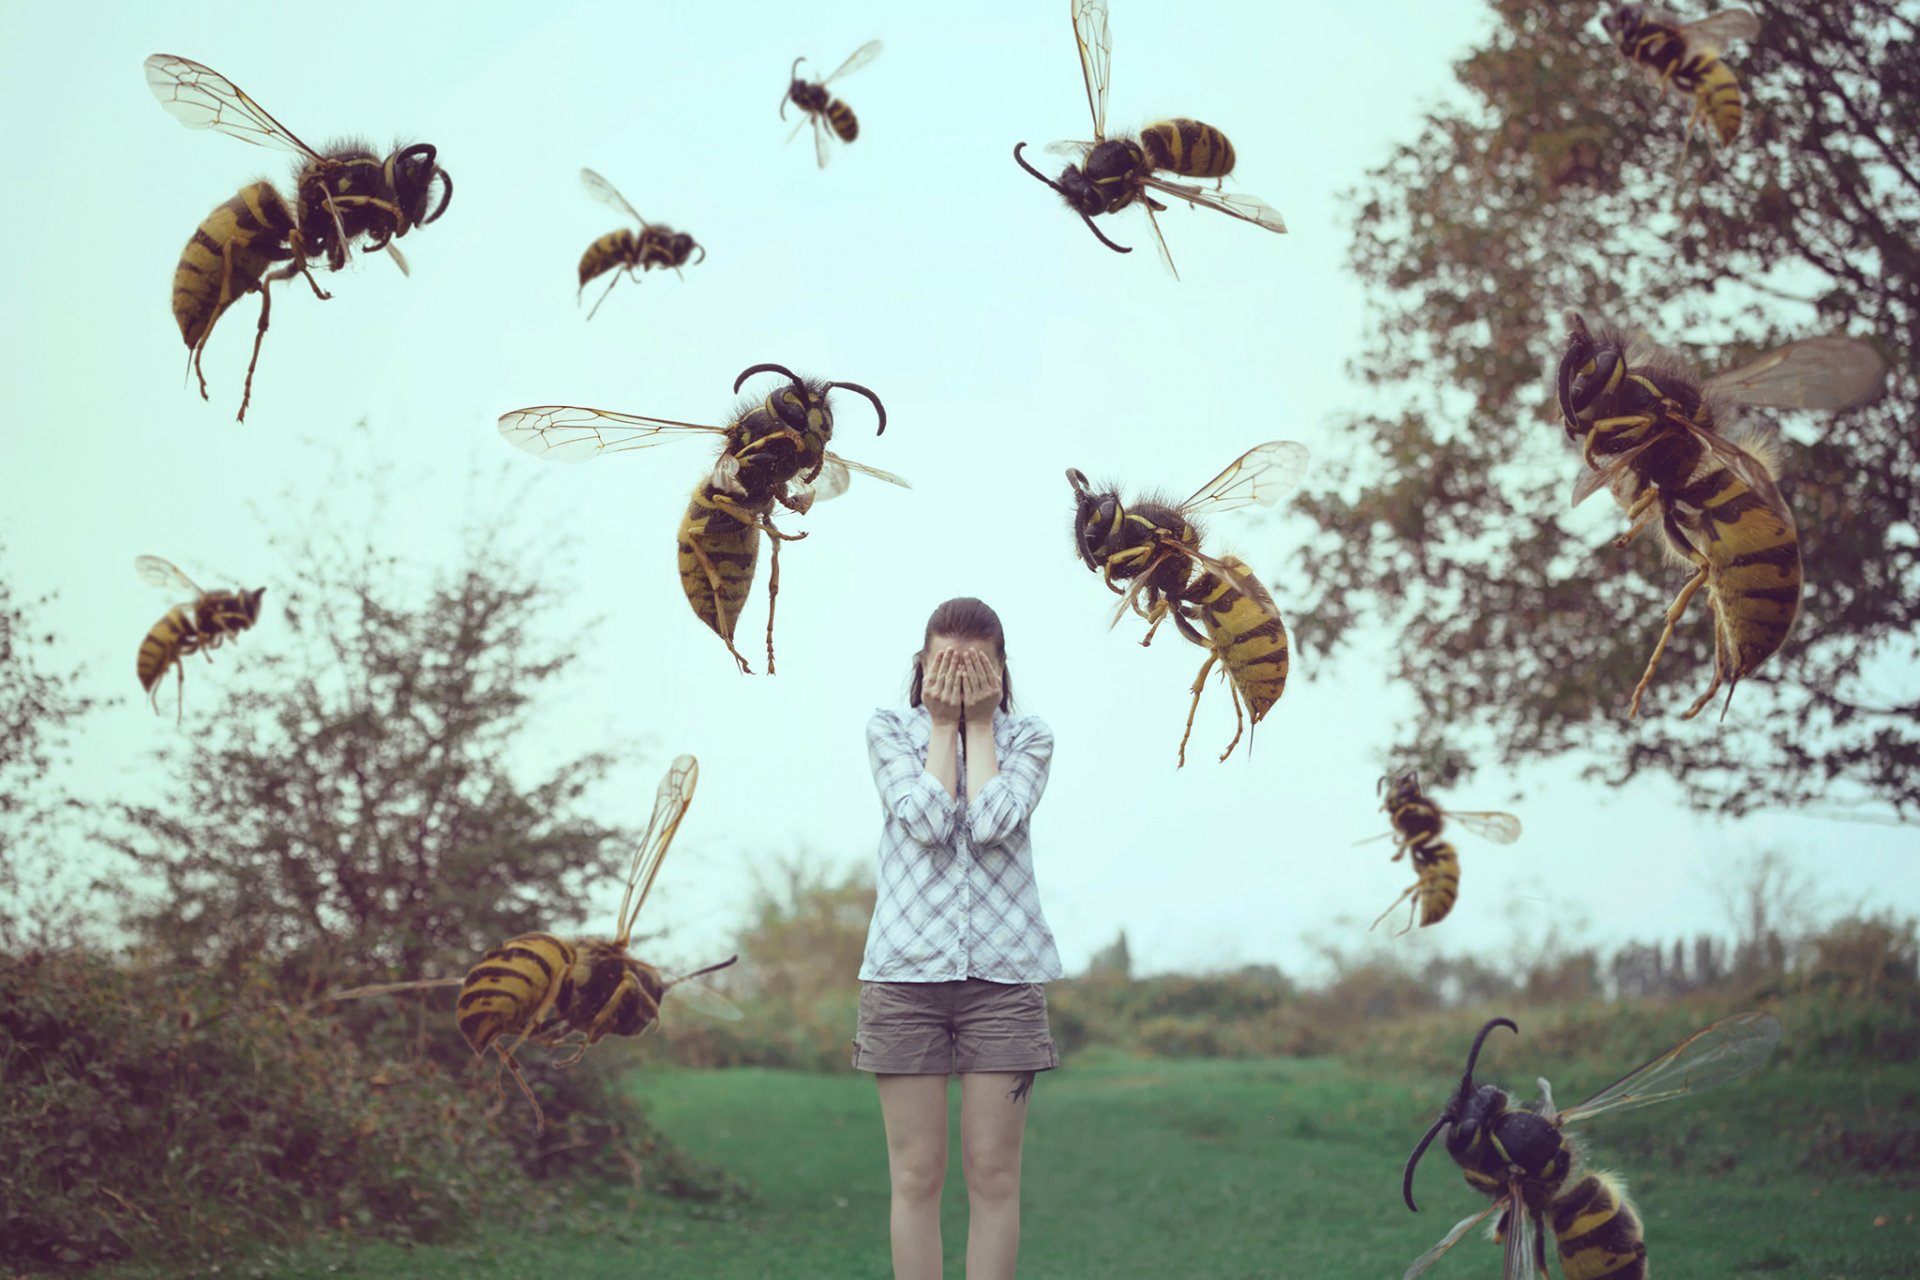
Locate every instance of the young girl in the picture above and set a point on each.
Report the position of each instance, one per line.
(957, 950)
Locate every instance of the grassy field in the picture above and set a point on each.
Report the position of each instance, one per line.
(1146, 1168)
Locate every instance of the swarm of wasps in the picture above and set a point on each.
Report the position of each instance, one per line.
(540, 988)
(1525, 1163)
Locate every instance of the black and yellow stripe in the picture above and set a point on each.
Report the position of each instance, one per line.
(1598, 1234)
(1187, 147)
(719, 547)
(170, 638)
(229, 252)
(1664, 49)
(513, 987)
(841, 117)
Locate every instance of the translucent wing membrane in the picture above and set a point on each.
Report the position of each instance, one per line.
(1241, 580)
(857, 59)
(1449, 1240)
(602, 190)
(1071, 148)
(834, 478)
(164, 573)
(1705, 1060)
(388, 989)
(703, 999)
(1501, 828)
(1814, 373)
(570, 433)
(201, 98)
(1522, 1259)
(1246, 208)
(1261, 476)
(669, 807)
(1096, 58)
(1715, 30)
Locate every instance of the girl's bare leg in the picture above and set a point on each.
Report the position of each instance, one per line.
(992, 1125)
(915, 1111)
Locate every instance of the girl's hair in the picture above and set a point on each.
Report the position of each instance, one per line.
(965, 618)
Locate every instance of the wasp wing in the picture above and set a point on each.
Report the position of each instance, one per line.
(1715, 30)
(820, 140)
(1246, 208)
(201, 98)
(1096, 58)
(1706, 1059)
(1133, 592)
(602, 190)
(1071, 148)
(834, 478)
(1160, 242)
(670, 805)
(1598, 478)
(1449, 1240)
(1261, 477)
(1814, 373)
(399, 259)
(571, 433)
(702, 998)
(1523, 1259)
(1501, 828)
(1371, 839)
(385, 989)
(164, 573)
(857, 59)
(1749, 469)
(865, 470)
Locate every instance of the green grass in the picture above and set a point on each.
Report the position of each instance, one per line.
(1145, 1168)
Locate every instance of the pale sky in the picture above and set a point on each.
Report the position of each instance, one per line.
(1007, 345)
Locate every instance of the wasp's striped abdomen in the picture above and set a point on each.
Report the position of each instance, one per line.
(1753, 570)
(513, 986)
(1716, 95)
(1438, 867)
(171, 638)
(226, 257)
(841, 117)
(718, 552)
(615, 249)
(1188, 147)
(1598, 1233)
(1246, 631)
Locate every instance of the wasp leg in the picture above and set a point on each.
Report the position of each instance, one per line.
(180, 692)
(773, 581)
(1155, 616)
(1674, 611)
(1405, 893)
(1721, 649)
(1239, 722)
(603, 297)
(507, 1062)
(260, 334)
(1645, 509)
(1199, 684)
(1612, 427)
(719, 611)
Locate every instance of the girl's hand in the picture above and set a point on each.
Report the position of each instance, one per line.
(940, 688)
(980, 683)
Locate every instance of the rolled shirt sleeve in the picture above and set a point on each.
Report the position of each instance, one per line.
(1009, 798)
(909, 794)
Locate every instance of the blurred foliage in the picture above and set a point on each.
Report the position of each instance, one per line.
(352, 810)
(1552, 183)
(36, 710)
(159, 1111)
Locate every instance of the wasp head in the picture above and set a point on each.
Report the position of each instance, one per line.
(1399, 790)
(250, 601)
(1079, 192)
(410, 172)
(1466, 1116)
(682, 246)
(802, 404)
(1095, 516)
(1590, 368)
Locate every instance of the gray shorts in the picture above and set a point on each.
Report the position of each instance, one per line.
(948, 1028)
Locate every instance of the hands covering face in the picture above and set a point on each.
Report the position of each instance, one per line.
(960, 679)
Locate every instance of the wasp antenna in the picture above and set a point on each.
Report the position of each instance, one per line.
(1019, 160)
(703, 253)
(1406, 1179)
(789, 374)
(1078, 479)
(1473, 1056)
(791, 76)
(446, 195)
(877, 406)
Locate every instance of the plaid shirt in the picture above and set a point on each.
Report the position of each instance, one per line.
(957, 895)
